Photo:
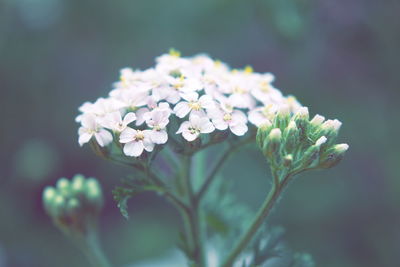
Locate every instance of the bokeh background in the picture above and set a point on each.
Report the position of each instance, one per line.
(340, 58)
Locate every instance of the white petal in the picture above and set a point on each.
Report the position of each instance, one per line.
(189, 136)
(140, 115)
(206, 102)
(182, 109)
(133, 149)
(129, 117)
(103, 137)
(159, 137)
(89, 121)
(207, 126)
(256, 117)
(84, 138)
(239, 129)
(127, 135)
(148, 144)
(190, 96)
(184, 126)
(238, 116)
(220, 124)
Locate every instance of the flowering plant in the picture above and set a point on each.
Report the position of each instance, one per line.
(161, 121)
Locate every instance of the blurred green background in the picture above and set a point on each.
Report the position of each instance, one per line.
(340, 58)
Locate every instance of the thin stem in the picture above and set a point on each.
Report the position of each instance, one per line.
(261, 215)
(218, 166)
(93, 250)
(193, 221)
(89, 244)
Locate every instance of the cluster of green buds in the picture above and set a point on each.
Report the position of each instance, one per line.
(298, 143)
(74, 205)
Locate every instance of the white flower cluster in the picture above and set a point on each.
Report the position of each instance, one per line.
(205, 95)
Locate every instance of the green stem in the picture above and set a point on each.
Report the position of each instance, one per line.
(90, 245)
(193, 227)
(261, 215)
(225, 156)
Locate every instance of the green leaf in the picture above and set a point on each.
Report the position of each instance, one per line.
(130, 188)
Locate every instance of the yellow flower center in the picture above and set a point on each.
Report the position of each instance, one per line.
(227, 117)
(195, 106)
(248, 69)
(174, 52)
(139, 136)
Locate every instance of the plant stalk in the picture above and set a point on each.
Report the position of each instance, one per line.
(261, 215)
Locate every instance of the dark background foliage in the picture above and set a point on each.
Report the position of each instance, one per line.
(340, 58)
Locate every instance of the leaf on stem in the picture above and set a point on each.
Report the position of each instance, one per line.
(130, 188)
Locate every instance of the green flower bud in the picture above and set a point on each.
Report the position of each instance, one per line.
(49, 193)
(63, 186)
(310, 157)
(301, 118)
(333, 156)
(330, 129)
(73, 205)
(291, 137)
(262, 134)
(288, 160)
(93, 193)
(282, 118)
(58, 206)
(317, 120)
(272, 144)
(78, 184)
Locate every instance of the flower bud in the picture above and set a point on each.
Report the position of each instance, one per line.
(330, 129)
(310, 157)
(301, 118)
(317, 120)
(72, 205)
(333, 156)
(288, 160)
(78, 184)
(273, 141)
(93, 193)
(291, 137)
(282, 118)
(321, 141)
(63, 186)
(262, 134)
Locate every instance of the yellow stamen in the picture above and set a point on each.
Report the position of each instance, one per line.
(195, 106)
(248, 69)
(227, 117)
(139, 136)
(175, 53)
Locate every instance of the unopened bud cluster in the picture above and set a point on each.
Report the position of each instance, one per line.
(298, 143)
(72, 204)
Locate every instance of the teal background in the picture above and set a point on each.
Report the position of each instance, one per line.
(340, 58)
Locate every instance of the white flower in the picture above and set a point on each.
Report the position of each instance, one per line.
(151, 105)
(262, 115)
(196, 125)
(235, 120)
(91, 128)
(135, 142)
(158, 120)
(101, 107)
(193, 105)
(114, 121)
